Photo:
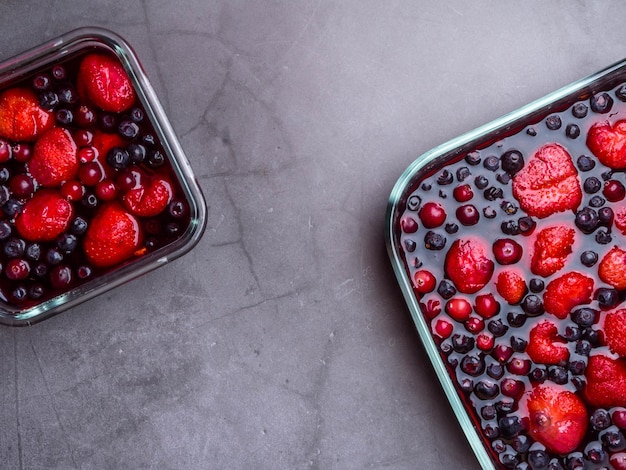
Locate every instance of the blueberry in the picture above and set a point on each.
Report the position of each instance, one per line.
(509, 227)
(78, 226)
(409, 245)
(136, 114)
(536, 285)
(486, 389)
(12, 207)
(521, 443)
(583, 347)
(495, 370)
(600, 419)
(489, 212)
(492, 193)
(48, 100)
(413, 203)
(607, 298)
(434, 241)
(473, 158)
(481, 181)
(446, 289)
(508, 207)
(137, 154)
(532, 305)
(572, 333)
(35, 291)
(41, 82)
(575, 461)
(538, 459)
(585, 163)
(558, 374)
(607, 175)
(518, 344)
(462, 173)
(572, 131)
(526, 224)
(5, 175)
(444, 178)
(33, 251)
(587, 220)
(472, 364)
(593, 336)
(128, 129)
(118, 158)
(510, 426)
(155, 159)
(462, 343)
(497, 328)
(488, 412)
(452, 228)
(538, 374)
(5, 229)
(603, 237)
(89, 201)
(531, 131)
(64, 116)
(601, 103)
(491, 163)
(592, 185)
(516, 319)
(512, 161)
(40, 269)
(594, 452)
(584, 316)
(19, 293)
(613, 439)
(53, 256)
(589, 258)
(67, 95)
(503, 178)
(67, 242)
(576, 367)
(579, 110)
(14, 247)
(149, 140)
(553, 122)
(510, 459)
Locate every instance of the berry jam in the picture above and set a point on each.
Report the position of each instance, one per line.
(119, 163)
(520, 273)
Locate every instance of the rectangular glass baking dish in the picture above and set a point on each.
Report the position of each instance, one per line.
(492, 138)
(65, 49)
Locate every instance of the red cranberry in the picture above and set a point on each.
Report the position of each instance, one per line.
(72, 190)
(431, 309)
(424, 281)
(85, 116)
(511, 387)
(87, 154)
(507, 251)
(443, 328)
(518, 366)
(83, 137)
(474, 324)
(467, 214)
(17, 269)
(486, 305)
(408, 225)
(106, 190)
(618, 460)
(459, 308)
(90, 173)
(485, 341)
(6, 151)
(614, 191)
(61, 276)
(128, 180)
(502, 352)
(432, 215)
(463, 193)
(22, 152)
(619, 418)
(22, 186)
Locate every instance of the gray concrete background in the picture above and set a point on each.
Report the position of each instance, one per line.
(282, 340)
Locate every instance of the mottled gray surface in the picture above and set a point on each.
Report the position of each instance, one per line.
(282, 340)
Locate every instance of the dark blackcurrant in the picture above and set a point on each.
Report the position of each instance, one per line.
(78, 226)
(14, 247)
(64, 116)
(558, 374)
(463, 173)
(597, 201)
(48, 100)
(532, 305)
(492, 193)
(446, 289)
(526, 224)
(510, 426)
(509, 227)
(67, 242)
(601, 103)
(620, 93)
(5, 229)
(512, 161)
(137, 154)
(603, 237)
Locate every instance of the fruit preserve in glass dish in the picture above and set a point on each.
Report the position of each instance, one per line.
(95, 188)
(509, 245)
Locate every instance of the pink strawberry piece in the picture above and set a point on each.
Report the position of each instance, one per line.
(21, 117)
(557, 418)
(55, 158)
(552, 247)
(545, 346)
(468, 266)
(615, 331)
(104, 81)
(149, 197)
(548, 183)
(44, 217)
(511, 286)
(612, 268)
(606, 381)
(566, 292)
(608, 143)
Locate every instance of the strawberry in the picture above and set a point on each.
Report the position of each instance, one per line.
(606, 381)
(511, 286)
(149, 197)
(468, 266)
(113, 236)
(620, 219)
(566, 292)
(552, 247)
(44, 217)
(608, 143)
(103, 80)
(545, 346)
(615, 331)
(612, 268)
(557, 418)
(21, 117)
(105, 141)
(55, 158)
(548, 183)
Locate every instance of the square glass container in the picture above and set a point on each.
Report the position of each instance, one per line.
(564, 117)
(183, 231)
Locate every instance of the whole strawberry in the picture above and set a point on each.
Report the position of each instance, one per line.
(615, 331)
(545, 346)
(21, 117)
(557, 418)
(566, 292)
(548, 183)
(552, 247)
(511, 286)
(113, 236)
(468, 266)
(608, 143)
(606, 381)
(44, 217)
(54, 158)
(103, 80)
(612, 268)
(149, 197)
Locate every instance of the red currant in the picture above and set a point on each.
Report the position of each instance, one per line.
(22, 152)
(485, 341)
(22, 186)
(474, 324)
(518, 366)
(507, 251)
(424, 281)
(511, 387)
(87, 154)
(618, 417)
(408, 225)
(106, 190)
(83, 137)
(17, 269)
(6, 152)
(432, 215)
(502, 352)
(459, 308)
(618, 460)
(467, 214)
(463, 193)
(90, 173)
(72, 190)
(486, 305)
(85, 116)
(443, 328)
(614, 191)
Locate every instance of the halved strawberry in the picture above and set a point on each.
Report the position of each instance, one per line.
(113, 236)
(615, 331)
(511, 286)
(608, 143)
(545, 346)
(55, 158)
(612, 268)
(552, 247)
(468, 266)
(606, 381)
(21, 117)
(103, 80)
(548, 183)
(149, 197)
(557, 418)
(566, 292)
(44, 217)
